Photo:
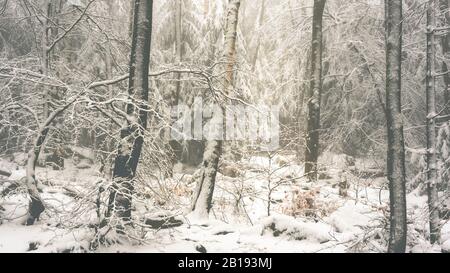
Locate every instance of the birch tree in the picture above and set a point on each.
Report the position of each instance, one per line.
(203, 195)
(396, 149)
(315, 92)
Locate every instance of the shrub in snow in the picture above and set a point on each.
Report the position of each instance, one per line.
(294, 229)
(303, 203)
(20, 158)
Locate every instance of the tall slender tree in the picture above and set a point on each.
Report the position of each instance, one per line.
(445, 44)
(258, 31)
(202, 202)
(315, 93)
(132, 135)
(396, 146)
(432, 173)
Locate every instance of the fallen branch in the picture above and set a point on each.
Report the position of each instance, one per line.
(163, 222)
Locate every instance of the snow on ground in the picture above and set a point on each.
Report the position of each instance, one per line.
(304, 217)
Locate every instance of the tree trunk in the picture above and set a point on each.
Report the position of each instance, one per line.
(432, 175)
(45, 63)
(315, 92)
(109, 65)
(50, 32)
(396, 149)
(36, 206)
(205, 8)
(131, 20)
(175, 147)
(132, 135)
(203, 195)
(178, 44)
(445, 43)
(258, 42)
(202, 201)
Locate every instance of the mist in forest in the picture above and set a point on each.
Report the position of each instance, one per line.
(225, 126)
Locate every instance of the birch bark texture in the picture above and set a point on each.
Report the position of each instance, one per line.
(132, 134)
(396, 148)
(206, 177)
(315, 93)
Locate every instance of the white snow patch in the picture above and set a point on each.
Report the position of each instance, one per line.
(296, 229)
(349, 218)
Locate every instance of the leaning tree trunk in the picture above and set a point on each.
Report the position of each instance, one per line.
(432, 174)
(315, 92)
(202, 202)
(396, 149)
(36, 206)
(132, 135)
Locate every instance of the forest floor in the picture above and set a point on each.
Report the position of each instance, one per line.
(346, 211)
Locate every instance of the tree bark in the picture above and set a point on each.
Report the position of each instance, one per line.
(258, 42)
(131, 20)
(396, 149)
(45, 63)
(36, 206)
(175, 147)
(432, 175)
(315, 92)
(445, 43)
(202, 202)
(178, 44)
(132, 135)
(205, 8)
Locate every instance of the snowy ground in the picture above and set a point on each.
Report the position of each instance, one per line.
(304, 217)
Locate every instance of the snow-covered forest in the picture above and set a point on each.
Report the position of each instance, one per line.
(225, 126)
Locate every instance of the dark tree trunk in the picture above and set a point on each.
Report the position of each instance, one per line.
(396, 148)
(5, 173)
(432, 174)
(192, 153)
(315, 92)
(132, 135)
